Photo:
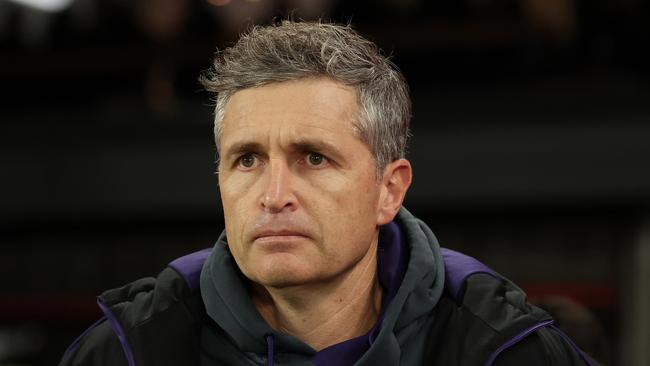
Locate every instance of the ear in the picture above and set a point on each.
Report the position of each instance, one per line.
(395, 182)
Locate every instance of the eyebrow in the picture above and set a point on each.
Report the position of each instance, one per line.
(316, 146)
(302, 145)
(241, 148)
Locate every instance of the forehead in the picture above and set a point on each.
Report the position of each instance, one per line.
(317, 107)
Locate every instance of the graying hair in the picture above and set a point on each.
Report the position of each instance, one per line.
(296, 50)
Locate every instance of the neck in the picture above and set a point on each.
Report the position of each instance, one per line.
(326, 313)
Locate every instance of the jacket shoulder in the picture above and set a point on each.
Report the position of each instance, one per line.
(486, 319)
(549, 346)
(99, 346)
(161, 314)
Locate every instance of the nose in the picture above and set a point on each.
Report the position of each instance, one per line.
(278, 192)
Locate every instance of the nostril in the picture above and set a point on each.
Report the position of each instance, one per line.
(278, 193)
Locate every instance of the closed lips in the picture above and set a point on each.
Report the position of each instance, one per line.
(275, 233)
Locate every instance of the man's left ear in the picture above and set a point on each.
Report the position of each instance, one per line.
(395, 182)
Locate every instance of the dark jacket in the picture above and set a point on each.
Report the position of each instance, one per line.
(448, 309)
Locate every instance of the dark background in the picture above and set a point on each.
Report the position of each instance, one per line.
(530, 149)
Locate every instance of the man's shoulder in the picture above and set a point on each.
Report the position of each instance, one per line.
(161, 313)
(145, 298)
(98, 345)
(484, 295)
(549, 346)
(484, 318)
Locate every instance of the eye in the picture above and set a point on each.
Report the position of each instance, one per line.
(247, 161)
(316, 159)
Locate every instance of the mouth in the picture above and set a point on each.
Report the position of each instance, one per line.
(278, 236)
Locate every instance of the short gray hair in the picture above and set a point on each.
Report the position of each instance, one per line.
(296, 50)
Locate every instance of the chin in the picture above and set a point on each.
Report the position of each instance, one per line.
(282, 280)
(282, 274)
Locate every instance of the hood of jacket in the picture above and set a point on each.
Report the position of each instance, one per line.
(239, 328)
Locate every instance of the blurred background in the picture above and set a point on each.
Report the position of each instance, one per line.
(530, 149)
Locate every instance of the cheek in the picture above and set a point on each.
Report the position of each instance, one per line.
(344, 188)
(235, 202)
(230, 186)
(347, 208)
(236, 192)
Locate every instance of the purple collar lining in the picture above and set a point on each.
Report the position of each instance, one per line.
(117, 328)
(392, 259)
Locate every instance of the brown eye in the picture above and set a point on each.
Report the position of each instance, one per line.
(247, 161)
(315, 159)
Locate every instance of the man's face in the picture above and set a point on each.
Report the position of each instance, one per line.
(299, 190)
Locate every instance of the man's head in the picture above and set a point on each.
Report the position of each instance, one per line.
(297, 50)
(311, 137)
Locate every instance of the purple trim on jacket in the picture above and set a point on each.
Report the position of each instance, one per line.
(392, 259)
(73, 347)
(117, 328)
(458, 267)
(189, 266)
(514, 340)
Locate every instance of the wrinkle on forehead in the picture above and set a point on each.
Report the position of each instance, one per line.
(293, 107)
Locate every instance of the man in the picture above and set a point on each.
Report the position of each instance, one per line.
(319, 264)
